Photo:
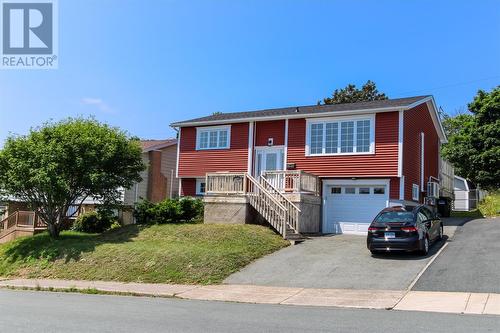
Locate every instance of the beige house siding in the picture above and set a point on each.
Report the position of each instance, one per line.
(139, 190)
(168, 165)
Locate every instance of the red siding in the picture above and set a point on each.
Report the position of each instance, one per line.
(394, 189)
(270, 129)
(384, 163)
(188, 187)
(419, 120)
(196, 163)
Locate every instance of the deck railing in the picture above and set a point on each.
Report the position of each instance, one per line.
(293, 181)
(225, 183)
(22, 220)
(278, 210)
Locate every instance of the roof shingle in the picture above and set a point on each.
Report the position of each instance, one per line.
(307, 110)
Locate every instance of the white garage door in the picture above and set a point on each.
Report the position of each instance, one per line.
(351, 208)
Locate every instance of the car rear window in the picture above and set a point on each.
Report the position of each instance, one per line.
(388, 217)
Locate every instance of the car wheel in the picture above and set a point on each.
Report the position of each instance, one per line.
(441, 232)
(425, 246)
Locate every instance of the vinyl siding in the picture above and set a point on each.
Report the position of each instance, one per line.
(270, 129)
(168, 164)
(419, 120)
(384, 163)
(196, 163)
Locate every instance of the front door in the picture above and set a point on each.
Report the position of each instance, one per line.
(268, 159)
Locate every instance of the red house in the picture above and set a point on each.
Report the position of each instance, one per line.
(357, 158)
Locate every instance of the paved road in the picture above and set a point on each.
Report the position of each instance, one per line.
(25, 311)
(470, 262)
(338, 261)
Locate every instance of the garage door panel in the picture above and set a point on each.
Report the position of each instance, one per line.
(352, 213)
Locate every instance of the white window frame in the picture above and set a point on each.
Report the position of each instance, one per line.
(415, 189)
(339, 120)
(209, 129)
(199, 181)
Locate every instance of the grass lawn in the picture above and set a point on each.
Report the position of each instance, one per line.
(173, 253)
(488, 207)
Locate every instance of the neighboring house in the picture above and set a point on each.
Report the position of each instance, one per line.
(159, 180)
(356, 158)
(467, 195)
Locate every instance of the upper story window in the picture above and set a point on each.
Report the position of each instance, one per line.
(213, 137)
(337, 136)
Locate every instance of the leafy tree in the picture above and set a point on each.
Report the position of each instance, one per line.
(474, 140)
(351, 94)
(61, 164)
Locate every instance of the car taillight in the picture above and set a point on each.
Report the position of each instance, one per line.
(409, 229)
(372, 229)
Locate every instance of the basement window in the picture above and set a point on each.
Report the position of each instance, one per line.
(415, 192)
(200, 186)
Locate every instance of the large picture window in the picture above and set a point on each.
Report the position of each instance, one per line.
(340, 136)
(213, 137)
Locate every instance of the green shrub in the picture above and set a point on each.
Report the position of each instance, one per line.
(169, 211)
(94, 222)
(192, 209)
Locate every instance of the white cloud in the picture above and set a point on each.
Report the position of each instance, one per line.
(98, 103)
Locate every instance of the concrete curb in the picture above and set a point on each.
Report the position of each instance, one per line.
(456, 302)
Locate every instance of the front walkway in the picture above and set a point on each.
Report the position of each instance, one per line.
(467, 303)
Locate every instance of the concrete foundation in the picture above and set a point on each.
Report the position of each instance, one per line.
(227, 210)
(232, 209)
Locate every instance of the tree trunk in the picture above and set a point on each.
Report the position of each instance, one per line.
(53, 229)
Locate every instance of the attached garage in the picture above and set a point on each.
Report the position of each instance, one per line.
(350, 205)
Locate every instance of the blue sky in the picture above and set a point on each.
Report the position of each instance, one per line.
(141, 65)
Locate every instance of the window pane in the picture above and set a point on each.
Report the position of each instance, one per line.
(213, 139)
(347, 137)
(271, 161)
(379, 190)
(336, 190)
(350, 190)
(223, 139)
(332, 138)
(316, 138)
(204, 140)
(363, 136)
(364, 190)
(202, 187)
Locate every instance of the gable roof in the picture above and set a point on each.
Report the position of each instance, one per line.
(310, 111)
(396, 103)
(149, 145)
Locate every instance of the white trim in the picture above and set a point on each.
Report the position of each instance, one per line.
(180, 187)
(178, 155)
(323, 120)
(285, 155)
(250, 147)
(422, 160)
(265, 149)
(400, 143)
(209, 129)
(198, 186)
(356, 182)
(413, 197)
(402, 188)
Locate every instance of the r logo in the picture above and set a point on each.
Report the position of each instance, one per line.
(27, 28)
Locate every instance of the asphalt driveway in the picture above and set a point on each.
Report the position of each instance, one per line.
(470, 262)
(337, 261)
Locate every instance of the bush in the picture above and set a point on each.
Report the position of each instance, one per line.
(169, 211)
(94, 222)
